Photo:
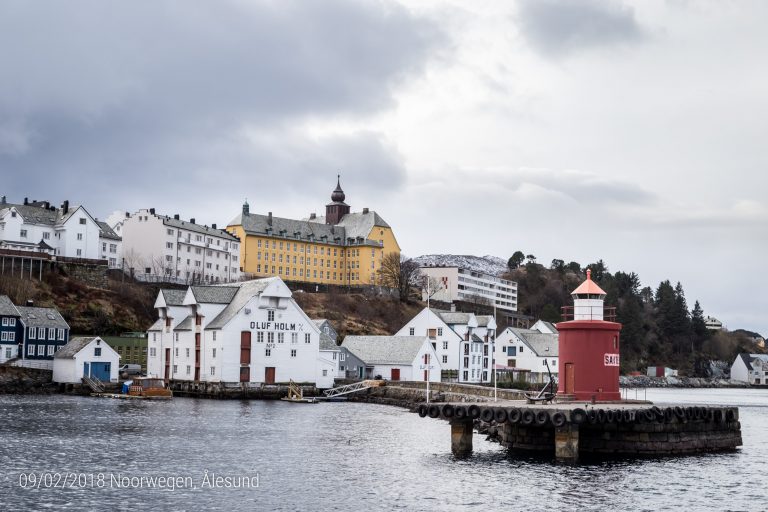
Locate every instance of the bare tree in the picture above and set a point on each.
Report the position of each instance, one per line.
(400, 273)
(430, 286)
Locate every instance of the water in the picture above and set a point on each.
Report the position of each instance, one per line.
(340, 456)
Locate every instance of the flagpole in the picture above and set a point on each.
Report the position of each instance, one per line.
(493, 356)
(426, 356)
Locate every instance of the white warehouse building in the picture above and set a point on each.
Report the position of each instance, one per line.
(455, 283)
(247, 332)
(161, 248)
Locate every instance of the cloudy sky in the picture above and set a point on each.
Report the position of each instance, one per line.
(634, 132)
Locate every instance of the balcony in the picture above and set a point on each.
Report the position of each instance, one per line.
(607, 313)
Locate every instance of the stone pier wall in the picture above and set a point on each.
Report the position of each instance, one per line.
(236, 390)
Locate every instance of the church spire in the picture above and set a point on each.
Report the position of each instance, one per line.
(338, 195)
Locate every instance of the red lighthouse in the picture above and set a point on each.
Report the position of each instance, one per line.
(589, 348)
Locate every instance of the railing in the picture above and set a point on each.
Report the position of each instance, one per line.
(351, 388)
(95, 385)
(607, 313)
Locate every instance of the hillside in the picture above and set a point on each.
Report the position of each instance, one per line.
(485, 264)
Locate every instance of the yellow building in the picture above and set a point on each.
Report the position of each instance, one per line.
(342, 248)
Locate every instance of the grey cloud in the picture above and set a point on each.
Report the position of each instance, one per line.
(558, 27)
(114, 100)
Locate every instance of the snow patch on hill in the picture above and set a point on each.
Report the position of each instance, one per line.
(492, 265)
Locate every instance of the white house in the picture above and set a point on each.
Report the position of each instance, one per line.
(456, 283)
(39, 227)
(527, 350)
(544, 327)
(86, 356)
(462, 341)
(111, 245)
(409, 358)
(161, 248)
(750, 368)
(330, 360)
(245, 332)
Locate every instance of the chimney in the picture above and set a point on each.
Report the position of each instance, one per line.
(246, 208)
(65, 207)
(312, 216)
(30, 303)
(127, 215)
(213, 226)
(47, 205)
(453, 307)
(192, 220)
(176, 217)
(152, 211)
(3, 201)
(269, 218)
(365, 210)
(26, 201)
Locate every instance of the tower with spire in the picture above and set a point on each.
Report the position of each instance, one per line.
(337, 208)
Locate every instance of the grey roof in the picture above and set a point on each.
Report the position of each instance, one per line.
(197, 228)
(158, 325)
(539, 342)
(385, 349)
(173, 297)
(550, 326)
(35, 214)
(483, 320)
(319, 321)
(186, 324)
(327, 343)
(453, 317)
(749, 358)
(352, 225)
(74, 346)
(476, 338)
(7, 308)
(42, 317)
(246, 290)
(107, 232)
(214, 294)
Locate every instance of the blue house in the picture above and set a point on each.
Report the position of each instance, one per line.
(11, 330)
(44, 331)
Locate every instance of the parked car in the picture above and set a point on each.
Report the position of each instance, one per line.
(130, 369)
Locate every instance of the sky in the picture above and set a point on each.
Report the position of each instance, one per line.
(633, 132)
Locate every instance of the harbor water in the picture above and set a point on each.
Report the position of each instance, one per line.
(80, 453)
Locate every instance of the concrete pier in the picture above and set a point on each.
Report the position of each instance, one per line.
(573, 430)
(461, 438)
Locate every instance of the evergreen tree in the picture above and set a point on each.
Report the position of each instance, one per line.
(516, 260)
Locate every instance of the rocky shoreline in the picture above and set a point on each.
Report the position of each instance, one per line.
(25, 381)
(642, 381)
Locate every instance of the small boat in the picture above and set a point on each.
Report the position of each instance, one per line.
(149, 387)
(296, 395)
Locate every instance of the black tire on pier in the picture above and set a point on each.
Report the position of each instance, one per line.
(701, 413)
(592, 416)
(628, 416)
(578, 416)
(459, 412)
(487, 415)
(448, 411)
(681, 413)
(602, 417)
(542, 418)
(648, 415)
(708, 415)
(610, 416)
(558, 419)
(434, 411)
(527, 417)
(422, 410)
(717, 414)
(500, 415)
(514, 415)
(669, 413)
(474, 411)
(659, 413)
(730, 415)
(690, 413)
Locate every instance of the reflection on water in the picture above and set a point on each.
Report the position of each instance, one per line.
(339, 456)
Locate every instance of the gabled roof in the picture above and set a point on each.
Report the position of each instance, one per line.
(454, 317)
(385, 349)
(7, 308)
(214, 294)
(35, 214)
(476, 338)
(327, 343)
(483, 320)
(158, 325)
(186, 324)
(107, 232)
(42, 317)
(543, 345)
(254, 223)
(245, 292)
(173, 297)
(77, 344)
(197, 228)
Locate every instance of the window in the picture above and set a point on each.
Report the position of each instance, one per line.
(79, 252)
(270, 337)
(213, 370)
(51, 349)
(445, 345)
(3, 336)
(169, 245)
(176, 352)
(214, 339)
(60, 334)
(293, 352)
(41, 350)
(176, 335)
(512, 351)
(342, 356)
(466, 375)
(32, 333)
(439, 331)
(23, 233)
(113, 248)
(445, 359)
(214, 353)
(294, 338)
(175, 368)
(82, 221)
(46, 236)
(11, 322)
(260, 337)
(30, 350)
(281, 337)
(104, 246)
(11, 336)
(5, 321)
(412, 331)
(79, 236)
(271, 315)
(7, 352)
(307, 338)
(189, 369)
(97, 351)
(152, 352)
(268, 352)
(170, 232)
(187, 352)
(325, 373)
(520, 350)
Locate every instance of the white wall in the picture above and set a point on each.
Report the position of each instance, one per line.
(70, 371)
(74, 236)
(739, 371)
(527, 359)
